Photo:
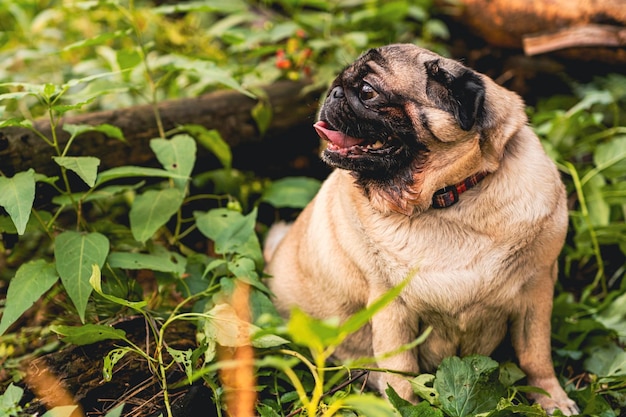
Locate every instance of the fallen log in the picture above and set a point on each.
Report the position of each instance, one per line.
(580, 29)
(227, 111)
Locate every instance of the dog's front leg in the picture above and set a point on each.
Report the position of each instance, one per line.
(531, 340)
(392, 328)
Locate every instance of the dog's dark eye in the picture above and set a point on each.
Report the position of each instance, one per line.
(367, 92)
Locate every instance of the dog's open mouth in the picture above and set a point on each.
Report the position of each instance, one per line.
(346, 145)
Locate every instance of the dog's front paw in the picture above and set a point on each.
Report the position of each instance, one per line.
(560, 402)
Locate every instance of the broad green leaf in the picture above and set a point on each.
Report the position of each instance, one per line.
(134, 172)
(88, 333)
(10, 401)
(213, 142)
(245, 270)
(369, 405)
(86, 167)
(151, 210)
(606, 361)
(111, 359)
(127, 260)
(407, 409)
(95, 280)
(176, 155)
(231, 231)
(293, 192)
(468, 386)
(75, 253)
(60, 411)
(610, 158)
(30, 282)
(17, 195)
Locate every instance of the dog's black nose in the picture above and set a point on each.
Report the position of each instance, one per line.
(337, 92)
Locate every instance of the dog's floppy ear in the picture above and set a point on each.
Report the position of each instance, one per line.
(462, 94)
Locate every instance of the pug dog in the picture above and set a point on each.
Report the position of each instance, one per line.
(440, 181)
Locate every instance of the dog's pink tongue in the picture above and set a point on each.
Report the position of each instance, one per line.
(335, 137)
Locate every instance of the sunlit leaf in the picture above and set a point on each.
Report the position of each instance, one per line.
(86, 167)
(151, 210)
(61, 411)
(17, 195)
(30, 282)
(75, 254)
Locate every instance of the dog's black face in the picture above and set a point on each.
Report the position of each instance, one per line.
(365, 118)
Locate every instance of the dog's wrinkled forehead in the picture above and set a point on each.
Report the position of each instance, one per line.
(405, 65)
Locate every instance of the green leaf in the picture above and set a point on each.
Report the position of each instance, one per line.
(95, 280)
(423, 386)
(225, 328)
(406, 409)
(112, 358)
(126, 260)
(17, 195)
(610, 157)
(30, 282)
(369, 405)
(183, 357)
(88, 333)
(606, 361)
(10, 401)
(151, 210)
(75, 254)
(212, 141)
(116, 411)
(468, 386)
(262, 115)
(134, 172)
(109, 130)
(292, 192)
(61, 411)
(176, 155)
(231, 231)
(315, 334)
(86, 167)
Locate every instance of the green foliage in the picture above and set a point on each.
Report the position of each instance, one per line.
(93, 236)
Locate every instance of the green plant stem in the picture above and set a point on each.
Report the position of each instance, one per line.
(599, 278)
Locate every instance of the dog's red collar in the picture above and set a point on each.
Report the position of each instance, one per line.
(449, 195)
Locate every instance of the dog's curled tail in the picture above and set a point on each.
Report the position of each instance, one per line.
(274, 236)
